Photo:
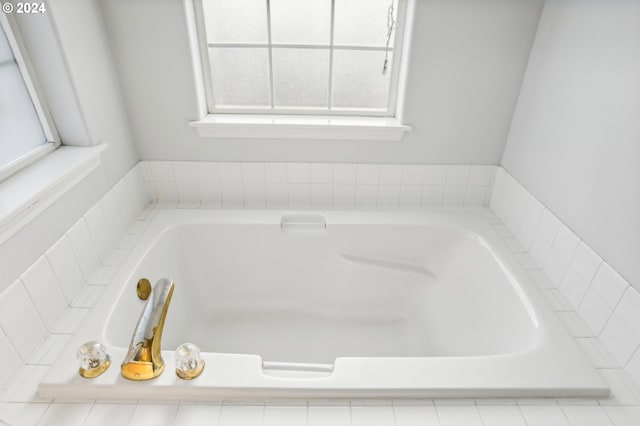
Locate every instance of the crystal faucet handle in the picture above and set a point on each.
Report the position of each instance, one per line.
(189, 363)
(92, 359)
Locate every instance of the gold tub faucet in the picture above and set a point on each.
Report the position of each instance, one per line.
(144, 359)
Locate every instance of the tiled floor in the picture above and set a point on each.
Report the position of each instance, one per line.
(19, 404)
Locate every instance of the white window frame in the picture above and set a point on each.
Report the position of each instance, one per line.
(35, 92)
(303, 123)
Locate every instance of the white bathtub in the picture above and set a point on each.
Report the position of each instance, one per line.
(381, 304)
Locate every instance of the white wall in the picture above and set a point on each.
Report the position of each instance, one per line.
(69, 50)
(468, 59)
(575, 137)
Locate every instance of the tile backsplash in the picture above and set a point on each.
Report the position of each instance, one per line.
(317, 185)
(603, 300)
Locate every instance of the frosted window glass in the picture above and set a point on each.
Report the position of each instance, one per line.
(5, 49)
(301, 77)
(362, 22)
(240, 76)
(236, 21)
(301, 22)
(20, 129)
(358, 81)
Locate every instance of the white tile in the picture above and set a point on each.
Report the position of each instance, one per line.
(321, 173)
(70, 320)
(481, 175)
(21, 413)
(585, 262)
(255, 193)
(432, 195)
(556, 300)
(24, 387)
(547, 415)
(389, 195)
(10, 361)
(458, 175)
(298, 173)
(372, 416)
(210, 193)
(525, 261)
(521, 199)
(49, 351)
(390, 174)
(329, 416)
(475, 196)
(344, 174)
(230, 173)
(501, 416)
(619, 340)
(232, 194)
(574, 324)
(609, 285)
(112, 211)
(103, 275)
(594, 311)
(596, 352)
(585, 415)
(458, 415)
(154, 414)
(540, 279)
(299, 195)
(566, 242)
(573, 288)
(184, 171)
(628, 310)
(556, 267)
(241, 415)
(454, 196)
(533, 212)
(188, 192)
(416, 415)
(368, 174)
(161, 171)
(66, 269)
(166, 191)
(44, 291)
(207, 171)
(276, 172)
(436, 175)
(322, 194)
(83, 248)
(284, 416)
(277, 193)
(633, 368)
(549, 225)
(344, 196)
(366, 195)
(413, 174)
(624, 416)
(410, 195)
(201, 414)
(620, 393)
(539, 249)
(88, 296)
(20, 320)
(109, 414)
(98, 229)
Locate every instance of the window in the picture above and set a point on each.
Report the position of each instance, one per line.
(23, 138)
(322, 58)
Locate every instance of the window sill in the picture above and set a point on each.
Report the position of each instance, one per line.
(300, 127)
(29, 192)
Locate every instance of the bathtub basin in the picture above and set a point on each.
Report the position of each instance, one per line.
(334, 305)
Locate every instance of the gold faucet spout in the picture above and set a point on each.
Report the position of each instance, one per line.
(144, 358)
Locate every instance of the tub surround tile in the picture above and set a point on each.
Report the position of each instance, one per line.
(70, 321)
(587, 416)
(574, 324)
(329, 415)
(65, 414)
(197, 414)
(621, 342)
(205, 171)
(97, 225)
(322, 173)
(372, 416)
(597, 353)
(103, 275)
(44, 291)
(458, 415)
(20, 321)
(501, 416)
(284, 416)
(556, 300)
(609, 285)
(595, 311)
(633, 367)
(9, 360)
(275, 172)
(87, 297)
(623, 416)
(24, 386)
(65, 268)
(298, 173)
(544, 415)
(585, 262)
(620, 392)
(20, 413)
(236, 415)
(50, 350)
(111, 414)
(154, 415)
(83, 248)
(416, 415)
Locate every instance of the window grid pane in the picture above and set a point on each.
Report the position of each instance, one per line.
(360, 80)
